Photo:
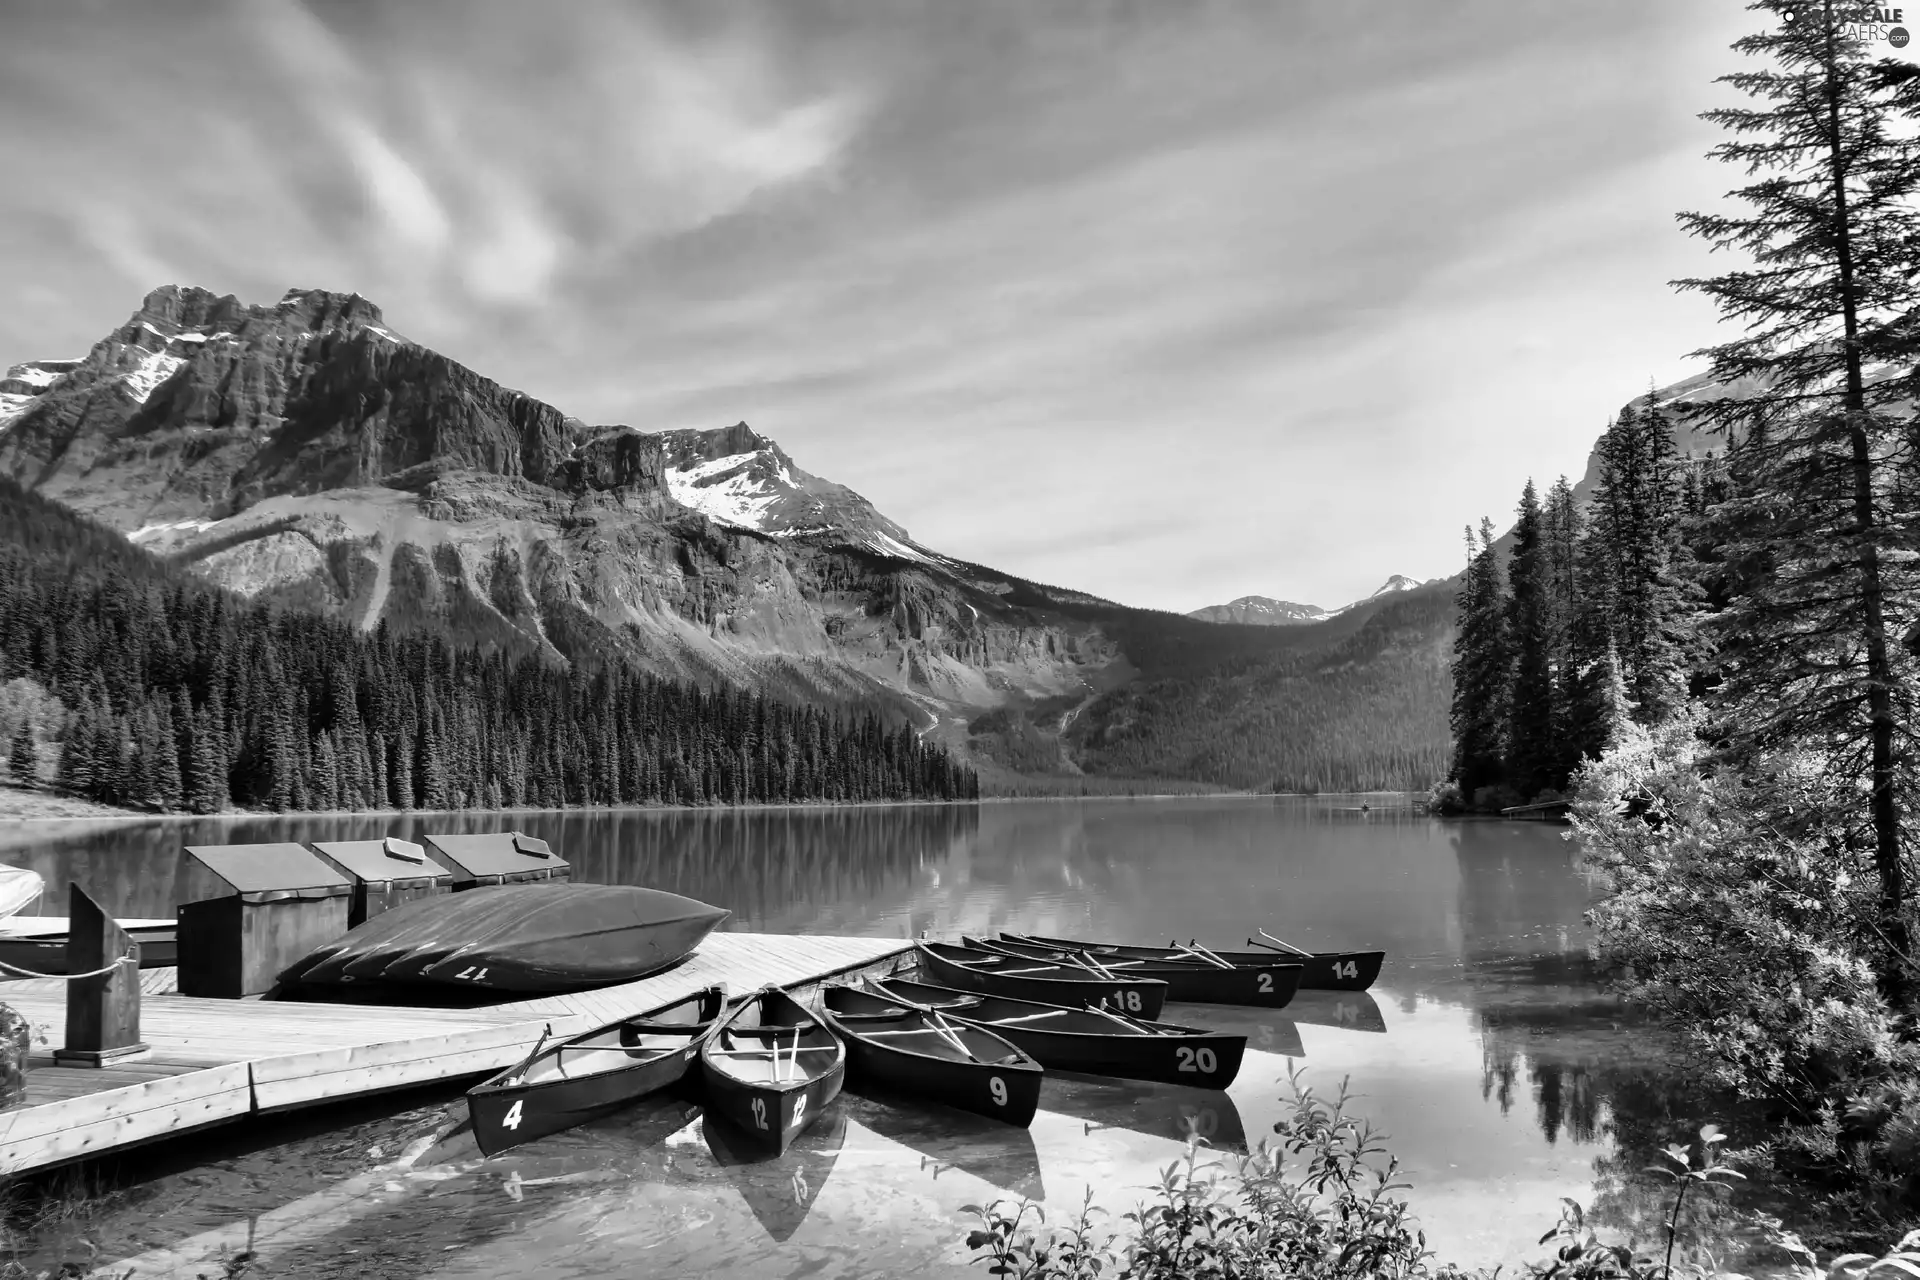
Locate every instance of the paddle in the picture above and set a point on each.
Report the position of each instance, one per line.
(1122, 1019)
(940, 1025)
(1282, 945)
(1204, 954)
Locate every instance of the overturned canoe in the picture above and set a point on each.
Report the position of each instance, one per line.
(1319, 970)
(1198, 981)
(543, 937)
(572, 1081)
(1004, 975)
(18, 887)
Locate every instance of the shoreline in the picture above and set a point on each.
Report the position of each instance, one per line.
(88, 811)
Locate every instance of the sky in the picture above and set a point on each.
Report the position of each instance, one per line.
(1172, 301)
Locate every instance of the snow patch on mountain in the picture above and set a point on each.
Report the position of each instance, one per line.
(1398, 582)
(728, 490)
(887, 545)
(147, 531)
(25, 383)
(155, 367)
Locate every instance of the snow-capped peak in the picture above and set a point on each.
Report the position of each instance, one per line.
(1398, 582)
(736, 476)
(24, 384)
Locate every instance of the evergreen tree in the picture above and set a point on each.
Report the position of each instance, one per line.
(1531, 710)
(23, 760)
(1831, 229)
(1481, 669)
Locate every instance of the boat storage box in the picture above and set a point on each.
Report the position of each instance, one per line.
(505, 857)
(284, 902)
(385, 873)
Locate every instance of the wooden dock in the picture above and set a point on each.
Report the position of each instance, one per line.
(214, 1061)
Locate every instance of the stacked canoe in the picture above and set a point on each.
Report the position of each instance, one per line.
(532, 938)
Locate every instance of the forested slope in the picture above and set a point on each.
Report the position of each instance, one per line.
(172, 694)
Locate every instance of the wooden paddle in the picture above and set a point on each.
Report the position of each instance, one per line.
(940, 1024)
(1273, 943)
(1122, 1019)
(1195, 949)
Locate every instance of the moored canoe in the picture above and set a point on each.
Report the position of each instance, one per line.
(1201, 981)
(569, 1082)
(1093, 1041)
(1319, 970)
(1070, 985)
(922, 1053)
(770, 1069)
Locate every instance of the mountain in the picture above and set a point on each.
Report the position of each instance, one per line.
(1263, 611)
(309, 455)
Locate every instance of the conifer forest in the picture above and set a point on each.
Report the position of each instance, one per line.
(171, 695)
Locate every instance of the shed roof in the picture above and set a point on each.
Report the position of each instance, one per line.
(388, 859)
(497, 854)
(263, 868)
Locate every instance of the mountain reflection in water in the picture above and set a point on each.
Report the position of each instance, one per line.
(1503, 1074)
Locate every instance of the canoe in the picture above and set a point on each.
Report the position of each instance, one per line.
(534, 938)
(1269, 986)
(46, 952)
(1319, 970)
(571, 1081)
(1093, 1041)
(18, 887)
(771, 1068)
(1070, 985)
(362, 952)
(921, 1053)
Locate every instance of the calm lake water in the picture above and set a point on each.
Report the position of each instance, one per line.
(1503, 1074)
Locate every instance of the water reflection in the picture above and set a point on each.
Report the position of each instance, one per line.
(780, 1191)
(945, 1140)
(1167, 1111)
(1505, 1074)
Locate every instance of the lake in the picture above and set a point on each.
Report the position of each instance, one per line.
(1505, 1077)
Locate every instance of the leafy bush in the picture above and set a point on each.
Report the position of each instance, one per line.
(1320, 1205)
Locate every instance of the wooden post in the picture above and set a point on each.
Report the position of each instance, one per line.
(103, 1012)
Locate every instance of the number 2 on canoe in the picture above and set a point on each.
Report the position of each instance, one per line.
(760, 1112)
(998, 1088)
(1266, 984)
(1346, 969)
(1201, 1060)
(512, 1119)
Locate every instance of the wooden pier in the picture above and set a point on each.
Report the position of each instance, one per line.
(212, 1061)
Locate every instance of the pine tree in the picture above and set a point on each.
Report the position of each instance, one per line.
(23, 760)
(1531, 709)
(1831, 229)
(1481, 667)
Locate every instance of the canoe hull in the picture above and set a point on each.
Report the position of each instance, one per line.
(1141, 999)
(1270, 986)
(1175, 1055)
(532, 939)
(507, 1111)
(1321, 971)
(47, 952)
(766, 1116)
(1005, 1091)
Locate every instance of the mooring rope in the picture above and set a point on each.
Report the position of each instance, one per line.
(18, 972)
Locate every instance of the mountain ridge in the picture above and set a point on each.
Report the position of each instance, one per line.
(308, 455)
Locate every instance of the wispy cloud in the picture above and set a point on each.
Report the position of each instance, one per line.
(1173, 302)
